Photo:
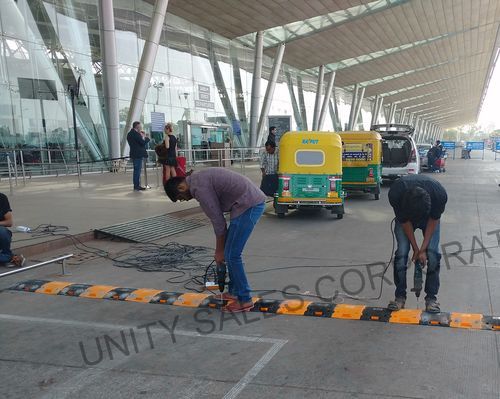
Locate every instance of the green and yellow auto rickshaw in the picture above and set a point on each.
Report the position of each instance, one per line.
(362, 162)
(310, 172)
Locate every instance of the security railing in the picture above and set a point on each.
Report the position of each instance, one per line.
(20, 165)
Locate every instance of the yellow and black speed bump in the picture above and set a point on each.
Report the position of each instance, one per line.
(286, 307)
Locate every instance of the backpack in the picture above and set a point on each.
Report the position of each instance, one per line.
(161, 150)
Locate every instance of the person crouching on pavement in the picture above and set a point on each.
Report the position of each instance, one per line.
(6, 220)
(418, 202)
(220, 190)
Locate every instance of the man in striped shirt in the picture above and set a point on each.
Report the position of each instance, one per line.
(269, 166)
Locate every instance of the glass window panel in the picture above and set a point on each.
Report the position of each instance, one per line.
(309, 158)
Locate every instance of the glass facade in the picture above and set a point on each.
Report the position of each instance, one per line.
(198, 77)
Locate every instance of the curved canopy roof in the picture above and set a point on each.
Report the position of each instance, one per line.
(434, 58)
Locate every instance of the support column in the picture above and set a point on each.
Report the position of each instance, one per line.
(257, 72)
(359, 104)
(110, 75)
(295, 106)
(334, 112)
(374, 110)
(377, 110)
(354, 102)
(268, 98)
(392, 113)
(317, 102)
(302, 103)
(415, 125)
(146, 65)
(402, 116)
(240, 97)
(387, 112)
(221, 86)
(326, 101)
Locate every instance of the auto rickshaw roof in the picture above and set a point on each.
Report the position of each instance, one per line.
(301, 139)
(363, 135)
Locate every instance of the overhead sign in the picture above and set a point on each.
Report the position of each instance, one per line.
(204, 98)
(157, 121)
(448, 145)
(475, 145)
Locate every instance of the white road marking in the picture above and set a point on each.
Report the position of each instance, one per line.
(84, 378)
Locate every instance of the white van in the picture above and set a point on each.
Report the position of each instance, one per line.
(399, 151)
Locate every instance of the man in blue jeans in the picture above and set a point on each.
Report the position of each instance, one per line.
(218, 191)
(137, 141)
(7, 258)
(418, 202)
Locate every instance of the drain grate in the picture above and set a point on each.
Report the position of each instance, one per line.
(148, 229)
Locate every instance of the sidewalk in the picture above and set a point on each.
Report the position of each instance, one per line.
(103, 200)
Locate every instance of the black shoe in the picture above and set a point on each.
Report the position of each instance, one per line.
(140, 189)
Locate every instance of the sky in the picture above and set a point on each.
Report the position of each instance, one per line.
(490, 113)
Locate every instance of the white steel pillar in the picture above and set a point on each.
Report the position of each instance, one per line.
(353, 106)
(359, 101)
(268, 98)
(326, 101)
(255, 102)
(146, 65)
(110, 75)
(317, 102)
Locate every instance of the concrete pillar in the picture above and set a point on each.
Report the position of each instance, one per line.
(146, 65)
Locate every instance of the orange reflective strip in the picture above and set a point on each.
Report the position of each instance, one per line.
(52, 287)
(466, 320)
(406, 316)
(142, 295)
(293, 307)
(97, 291)
(190, 300)
(350, 312)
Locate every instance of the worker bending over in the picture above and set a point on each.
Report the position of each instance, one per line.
(418, 203)
(219, 190)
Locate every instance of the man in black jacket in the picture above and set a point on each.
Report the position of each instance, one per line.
(137, 141)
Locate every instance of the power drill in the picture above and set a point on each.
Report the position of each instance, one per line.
(417, 279)
(221, 276)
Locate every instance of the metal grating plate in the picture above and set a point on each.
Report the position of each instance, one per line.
(148, 229)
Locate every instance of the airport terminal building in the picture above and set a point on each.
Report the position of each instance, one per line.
(194, 63)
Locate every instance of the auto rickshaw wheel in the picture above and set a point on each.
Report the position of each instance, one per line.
(281, 215)
(377, 196)
(340, 215)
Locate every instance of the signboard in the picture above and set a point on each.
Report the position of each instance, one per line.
(475, 145)
(497, 145)
(448, 145)
(204, 104)
(157, 121)
(204, 98)
(283, 124)
(357, 152)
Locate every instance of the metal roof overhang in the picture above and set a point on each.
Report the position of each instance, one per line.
(410, 52)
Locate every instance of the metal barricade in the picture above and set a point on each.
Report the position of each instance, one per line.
(61, 259)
